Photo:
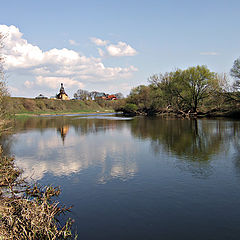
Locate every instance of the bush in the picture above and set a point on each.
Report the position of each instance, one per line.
(130, 108)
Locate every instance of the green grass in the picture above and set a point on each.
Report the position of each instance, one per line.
(28, 107)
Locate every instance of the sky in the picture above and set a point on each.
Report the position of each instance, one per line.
(112, 46)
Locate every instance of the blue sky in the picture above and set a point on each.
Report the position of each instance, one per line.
(139, 38)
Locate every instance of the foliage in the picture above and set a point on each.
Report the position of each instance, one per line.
(235, 73)
(184, 91)
(130, 108)
(235, 70)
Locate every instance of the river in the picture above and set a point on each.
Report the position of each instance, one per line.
(137, 178)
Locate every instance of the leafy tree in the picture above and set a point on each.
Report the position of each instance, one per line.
(141, 97)
(186, 89)
(235, 73)
(194, 84)
(163, 88)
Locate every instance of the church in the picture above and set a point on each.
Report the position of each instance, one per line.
(62, 94)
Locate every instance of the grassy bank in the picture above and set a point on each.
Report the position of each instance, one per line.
(28, 106)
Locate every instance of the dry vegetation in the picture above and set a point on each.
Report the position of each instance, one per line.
(28, 212)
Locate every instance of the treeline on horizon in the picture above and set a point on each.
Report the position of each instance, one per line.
(193, 91)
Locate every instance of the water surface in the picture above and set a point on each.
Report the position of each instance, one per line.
(137, 178)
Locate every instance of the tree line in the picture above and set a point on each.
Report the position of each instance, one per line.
(194, 90)
(86, 95)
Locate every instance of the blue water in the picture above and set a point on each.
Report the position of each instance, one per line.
(137, 178)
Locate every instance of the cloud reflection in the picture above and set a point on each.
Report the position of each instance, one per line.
(88, 144)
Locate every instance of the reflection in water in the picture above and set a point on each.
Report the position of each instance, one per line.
(194, 142)
(106, 143)
(193, 139)
(140, 178)
(86, 143)
(236, 145)
(63, 131)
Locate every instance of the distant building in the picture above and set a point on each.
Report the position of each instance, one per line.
(111, 97)
(62, 94)
(100, 95)
(40, 96)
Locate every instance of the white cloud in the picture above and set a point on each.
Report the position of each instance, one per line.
(49, 68)
(121, 49)
(54, 82)
(99, 42)
(73, 42)
(28, 84)
(101, 52)
(209, 53)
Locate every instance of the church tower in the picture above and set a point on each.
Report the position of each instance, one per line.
(62, 94)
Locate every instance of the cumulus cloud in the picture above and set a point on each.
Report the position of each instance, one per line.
(99, 42)
(60, 65)
(121, 49)
(54, 82)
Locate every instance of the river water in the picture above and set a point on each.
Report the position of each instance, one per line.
(137, 178)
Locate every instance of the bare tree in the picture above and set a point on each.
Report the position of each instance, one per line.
(119, 95)
(3, 89)
(81, 94)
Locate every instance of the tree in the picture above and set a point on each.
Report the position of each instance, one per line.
(82, 94)
(235, 73)
(162, 85)
(3, 89)
(193, 85)
(119, 95)
(184, 89)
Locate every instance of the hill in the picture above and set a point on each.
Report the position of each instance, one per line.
(50, 106)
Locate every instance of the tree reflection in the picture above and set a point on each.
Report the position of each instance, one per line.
(190, 144)
(236, 144)
(194, 142)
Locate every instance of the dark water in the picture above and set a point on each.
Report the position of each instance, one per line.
(137, 178)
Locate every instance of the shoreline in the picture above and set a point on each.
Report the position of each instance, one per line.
(18, 115)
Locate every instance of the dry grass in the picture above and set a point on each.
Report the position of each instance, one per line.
(28, 212)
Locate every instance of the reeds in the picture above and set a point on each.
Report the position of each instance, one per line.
(29, 212)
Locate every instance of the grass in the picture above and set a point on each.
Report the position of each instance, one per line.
(27, 113)
(49, 106)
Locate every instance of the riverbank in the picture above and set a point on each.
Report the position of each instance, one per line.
(51, 106)
(28, 212)
(25, 115)
(223, 113)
